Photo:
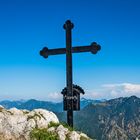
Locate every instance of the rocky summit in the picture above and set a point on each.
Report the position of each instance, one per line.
(38, 124)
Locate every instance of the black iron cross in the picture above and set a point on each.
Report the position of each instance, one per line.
(45, 52)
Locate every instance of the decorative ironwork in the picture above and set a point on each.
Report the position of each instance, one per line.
(71, 94)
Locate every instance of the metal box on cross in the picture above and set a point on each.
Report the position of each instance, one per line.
(77, 90)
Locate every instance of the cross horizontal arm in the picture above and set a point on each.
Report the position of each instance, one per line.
(93, 48)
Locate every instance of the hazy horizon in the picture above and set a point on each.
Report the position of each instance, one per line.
(110, 92)
(60, 101)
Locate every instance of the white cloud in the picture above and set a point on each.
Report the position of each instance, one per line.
(109, 91)
(106, 91)
(54, 97)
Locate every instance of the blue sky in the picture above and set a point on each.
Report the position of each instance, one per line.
(26, 26)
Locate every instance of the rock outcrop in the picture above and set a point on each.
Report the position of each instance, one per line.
(18, 124)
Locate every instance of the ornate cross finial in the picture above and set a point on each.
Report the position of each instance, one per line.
(68, 25)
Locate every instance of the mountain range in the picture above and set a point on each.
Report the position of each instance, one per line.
(51, 106)
(115, 119)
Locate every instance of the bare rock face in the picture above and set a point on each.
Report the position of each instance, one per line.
(17, 124)
(62, 132)
(74, 136)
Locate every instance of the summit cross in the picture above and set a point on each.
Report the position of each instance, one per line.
(45, 52)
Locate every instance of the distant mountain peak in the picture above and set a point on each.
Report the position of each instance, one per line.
(133, 97)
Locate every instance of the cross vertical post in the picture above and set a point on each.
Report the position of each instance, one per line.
(71, 91)
(68, 27)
